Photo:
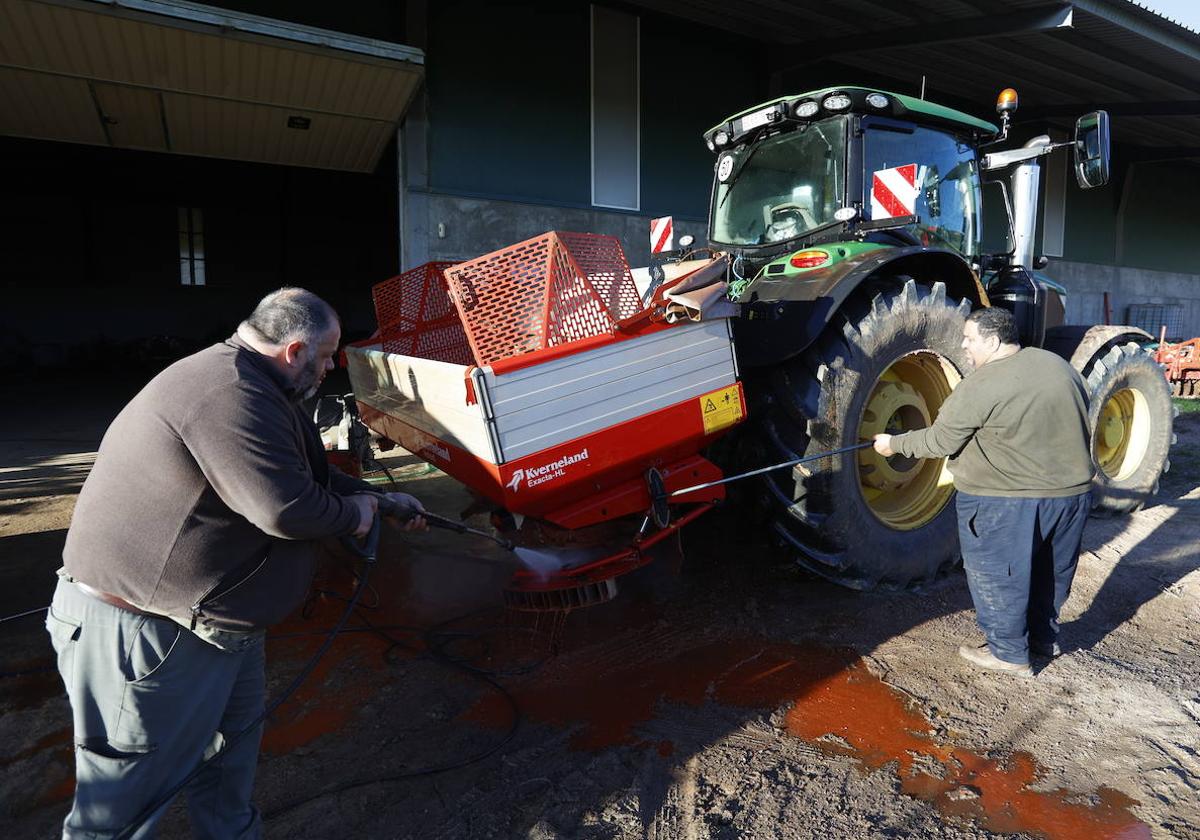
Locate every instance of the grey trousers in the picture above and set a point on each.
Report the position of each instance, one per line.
(149, 701)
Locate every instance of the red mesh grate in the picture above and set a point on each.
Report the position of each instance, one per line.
(545, 291)
(417, 318)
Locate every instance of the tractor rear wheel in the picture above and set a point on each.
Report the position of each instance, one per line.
(859, 519)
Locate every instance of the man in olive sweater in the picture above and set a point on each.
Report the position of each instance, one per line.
(195, 530)
(1016, 433)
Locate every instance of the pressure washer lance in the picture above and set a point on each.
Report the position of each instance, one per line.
(762, 470)
(541, 563)
(389, 508)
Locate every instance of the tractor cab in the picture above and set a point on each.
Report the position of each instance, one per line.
(846, 164)
(813, 187)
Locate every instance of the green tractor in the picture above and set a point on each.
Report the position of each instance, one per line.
(853, 222)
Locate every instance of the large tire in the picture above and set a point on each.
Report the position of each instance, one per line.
(1130, 416)
(892, 358)
(1130, 419)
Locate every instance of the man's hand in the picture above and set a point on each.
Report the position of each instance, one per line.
(883, 445)
(408, 510)
(366, 504)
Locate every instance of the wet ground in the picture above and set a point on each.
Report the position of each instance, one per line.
(723, 694)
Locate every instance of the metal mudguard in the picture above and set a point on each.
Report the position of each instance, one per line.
(783, 316)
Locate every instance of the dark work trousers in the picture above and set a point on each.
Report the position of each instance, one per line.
(1020, 556)
(149, 701)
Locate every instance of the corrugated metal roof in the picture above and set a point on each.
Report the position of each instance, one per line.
(229, 20)
(1147, 10)
(1113, 52)
(133, 76)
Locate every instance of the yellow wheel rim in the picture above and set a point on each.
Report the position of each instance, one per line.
(906, 493)
(1122, 434)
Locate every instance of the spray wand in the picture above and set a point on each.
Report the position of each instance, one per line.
(762, 470)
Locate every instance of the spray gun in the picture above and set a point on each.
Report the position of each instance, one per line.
(368, 546)
(389, 508)
(402, 514)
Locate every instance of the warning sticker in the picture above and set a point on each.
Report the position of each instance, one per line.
(720, 409)
(894, 192)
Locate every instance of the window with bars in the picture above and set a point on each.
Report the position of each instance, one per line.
(191, 246)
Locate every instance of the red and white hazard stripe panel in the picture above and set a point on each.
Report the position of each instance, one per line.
(662, 234)
(894, 192)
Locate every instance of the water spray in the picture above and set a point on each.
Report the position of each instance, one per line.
(541, 563)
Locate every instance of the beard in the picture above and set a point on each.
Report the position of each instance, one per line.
(310, 378)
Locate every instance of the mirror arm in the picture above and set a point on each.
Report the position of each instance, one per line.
(999, 160)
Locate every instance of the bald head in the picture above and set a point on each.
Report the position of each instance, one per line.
(291, 314)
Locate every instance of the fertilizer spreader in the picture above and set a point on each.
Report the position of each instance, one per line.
(538, 377)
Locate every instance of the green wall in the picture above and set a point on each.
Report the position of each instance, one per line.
(692, 78)
(1161, 220)
(1091, 219)
(509, 112)
(510, 109)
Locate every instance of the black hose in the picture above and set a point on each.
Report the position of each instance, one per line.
(436, 651)
(23, 614)
(436, 641)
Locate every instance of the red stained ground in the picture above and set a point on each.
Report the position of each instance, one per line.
(829, 693)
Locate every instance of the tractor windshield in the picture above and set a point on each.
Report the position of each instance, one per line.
(926, 180)
(781, 187)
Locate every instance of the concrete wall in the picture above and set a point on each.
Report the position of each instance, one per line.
(474, 226)
(1087, 282)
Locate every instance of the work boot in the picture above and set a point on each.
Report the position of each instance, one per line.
(1046, 650)
(984, 658)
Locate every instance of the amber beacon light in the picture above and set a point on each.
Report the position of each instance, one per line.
(1006, 101)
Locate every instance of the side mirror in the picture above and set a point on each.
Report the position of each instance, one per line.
(1091, 150)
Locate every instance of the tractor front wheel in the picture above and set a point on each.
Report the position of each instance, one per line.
(1130, 419)
(1130, 415)
(859, 519)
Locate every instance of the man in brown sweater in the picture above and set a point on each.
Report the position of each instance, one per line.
(1016, 434)
(195, 530)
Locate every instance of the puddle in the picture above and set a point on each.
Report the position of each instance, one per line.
(877, 725)
(30, 683)
(325, 702)
(834, 702)
(53, 775)
(58, 779)
(348, 675)
(58, 738)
